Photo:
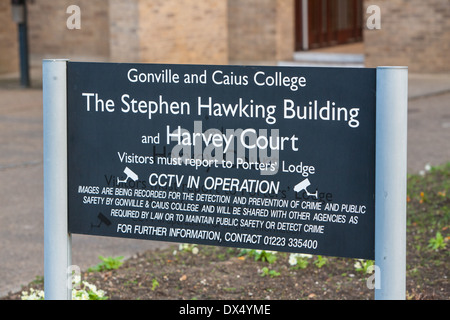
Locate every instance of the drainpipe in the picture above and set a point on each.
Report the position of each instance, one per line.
(305, 34)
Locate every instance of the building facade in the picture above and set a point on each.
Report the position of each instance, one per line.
(413, 32)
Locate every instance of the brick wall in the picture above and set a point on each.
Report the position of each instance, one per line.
(285, 37)
(164, 31)
(415, 33)
(9, 49)
(124, 26)
(50, 37)
(261, 29)
(183, 31)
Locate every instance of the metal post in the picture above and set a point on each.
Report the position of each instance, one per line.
(390, 182)
(24, 63)
(19, 12)
(57, 240)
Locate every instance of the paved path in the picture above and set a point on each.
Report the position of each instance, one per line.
(21, 176)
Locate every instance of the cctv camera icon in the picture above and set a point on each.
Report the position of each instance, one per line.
(130, 175)
(303, 185)
(103, 220)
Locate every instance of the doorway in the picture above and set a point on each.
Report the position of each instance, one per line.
(325, 23)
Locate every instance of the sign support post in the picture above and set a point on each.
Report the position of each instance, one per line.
(57, 240)
(390, 183)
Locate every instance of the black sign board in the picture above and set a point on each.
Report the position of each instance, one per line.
(273, 158)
